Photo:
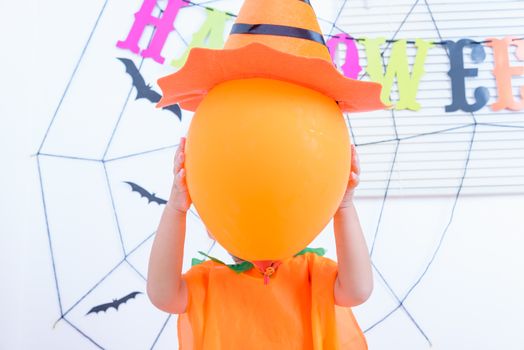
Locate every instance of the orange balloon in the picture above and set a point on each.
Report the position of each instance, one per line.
(267, 164)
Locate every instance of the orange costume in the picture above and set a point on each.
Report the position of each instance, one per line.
(296, 310)
(279, 40)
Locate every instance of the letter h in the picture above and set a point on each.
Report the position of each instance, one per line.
(163, 26)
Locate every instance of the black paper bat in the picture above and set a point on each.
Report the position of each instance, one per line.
(151, 197)
(115, 303)
(144, 90)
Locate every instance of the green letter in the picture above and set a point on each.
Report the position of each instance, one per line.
(212, 29)
(397, 66)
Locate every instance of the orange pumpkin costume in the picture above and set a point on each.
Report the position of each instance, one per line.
(281, 40)
(296, 310)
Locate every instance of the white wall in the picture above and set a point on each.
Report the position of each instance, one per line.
(470, 297)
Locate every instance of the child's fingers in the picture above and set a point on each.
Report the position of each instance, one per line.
(179, 163)
(181, 147)
(355, 162)
(354, 180)
(179, 156)
(180, 180)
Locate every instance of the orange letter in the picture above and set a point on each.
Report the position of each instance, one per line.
(503, 72)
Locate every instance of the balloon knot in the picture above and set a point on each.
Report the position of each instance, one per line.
(267, 268)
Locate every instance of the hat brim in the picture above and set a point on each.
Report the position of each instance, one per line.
(205, 68)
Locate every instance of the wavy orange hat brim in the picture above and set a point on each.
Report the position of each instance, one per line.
(206, 68)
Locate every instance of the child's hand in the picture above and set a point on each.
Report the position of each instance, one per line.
(353, 179)
(179, 198)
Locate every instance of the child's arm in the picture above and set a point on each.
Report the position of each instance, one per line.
(165, 287)
(354, 282)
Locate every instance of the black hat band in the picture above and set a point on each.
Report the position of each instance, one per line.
(273, 29)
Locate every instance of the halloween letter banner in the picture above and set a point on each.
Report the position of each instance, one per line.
(211, 35)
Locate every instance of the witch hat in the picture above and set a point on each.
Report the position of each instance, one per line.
(274, 39)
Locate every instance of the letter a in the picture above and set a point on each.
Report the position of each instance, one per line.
(212, 29)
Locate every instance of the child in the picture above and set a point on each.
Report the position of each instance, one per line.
(304, 304)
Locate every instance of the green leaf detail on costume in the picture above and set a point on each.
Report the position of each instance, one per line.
(196, 261)
(246, 265)
(212, 258)
(318, 251)
(238, 268)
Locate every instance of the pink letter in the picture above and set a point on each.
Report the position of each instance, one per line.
(164, 25)
(351, 68)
